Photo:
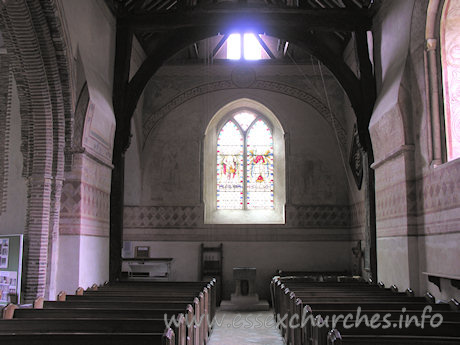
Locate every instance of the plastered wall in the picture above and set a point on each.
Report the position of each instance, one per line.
(165, 211)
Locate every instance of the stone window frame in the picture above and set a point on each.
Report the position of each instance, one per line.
(434, 84)
(211, 214)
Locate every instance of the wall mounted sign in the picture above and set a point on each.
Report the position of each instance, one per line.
(4, 250)
(10, 268)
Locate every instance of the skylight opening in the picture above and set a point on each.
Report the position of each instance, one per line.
(252, 50)
(234, 47)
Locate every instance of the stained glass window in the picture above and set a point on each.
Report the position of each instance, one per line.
(245, 164)
(259, 144)
(230, 167)
(244, 119)
(450, 48)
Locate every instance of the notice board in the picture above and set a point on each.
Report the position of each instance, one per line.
(11, 249)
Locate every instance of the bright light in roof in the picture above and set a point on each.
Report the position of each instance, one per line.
(252, 48)
(234, 47)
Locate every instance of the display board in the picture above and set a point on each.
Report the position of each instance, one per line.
(11, 247)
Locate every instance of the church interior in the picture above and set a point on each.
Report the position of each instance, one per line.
(179, 140)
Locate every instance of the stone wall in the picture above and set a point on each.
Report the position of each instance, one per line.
(85, 204)
(417, 207)
(165, 211)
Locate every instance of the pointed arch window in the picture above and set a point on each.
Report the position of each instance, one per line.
(245, 163)
(244, 166)
(450, 59)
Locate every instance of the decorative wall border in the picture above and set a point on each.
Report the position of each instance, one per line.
(244, 235)
(191, 217)
(265, 85)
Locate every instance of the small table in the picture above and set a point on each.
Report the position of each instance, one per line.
(245, 297)
(147, 268)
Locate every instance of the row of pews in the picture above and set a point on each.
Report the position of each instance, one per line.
(118, 313)
(354, 312)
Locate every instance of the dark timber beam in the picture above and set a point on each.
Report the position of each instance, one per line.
(332, 61)
(166, 47)
(247, 19)
(267, 50)
(124, 38)
(179, 39)
(219, 45)
(368, 96)
(367, 81)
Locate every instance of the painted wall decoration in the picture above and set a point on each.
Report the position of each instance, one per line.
(99, 132)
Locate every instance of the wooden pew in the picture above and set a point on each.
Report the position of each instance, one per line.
(332, 298)
(84, 338)
(114, 304)
(335, 338)
(58, 325)
(135, 309)
(448, 328)
(95, 313)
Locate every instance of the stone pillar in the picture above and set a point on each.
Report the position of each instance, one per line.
(37, 237)
(433, 100)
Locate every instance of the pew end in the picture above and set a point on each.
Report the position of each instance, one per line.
(410, 292)
(181, 330)
(8, 311)
(189, 322)
(168, 337)
(454, 304)
(94, 287)
(38, 303)
(430, 298)
(79, 291)
(334, 337)
(61, 297)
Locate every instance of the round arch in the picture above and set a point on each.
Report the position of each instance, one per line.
(180, 39)
(44, 92)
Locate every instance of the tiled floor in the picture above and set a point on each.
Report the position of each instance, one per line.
(240, 328)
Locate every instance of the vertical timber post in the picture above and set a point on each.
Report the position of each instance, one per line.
(368, 97)
(124, 37)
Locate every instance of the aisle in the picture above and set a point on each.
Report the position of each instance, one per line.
(240, 328)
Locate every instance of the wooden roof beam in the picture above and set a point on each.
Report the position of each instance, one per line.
(309, 19)
(265, 47)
